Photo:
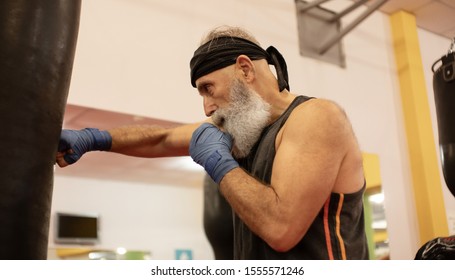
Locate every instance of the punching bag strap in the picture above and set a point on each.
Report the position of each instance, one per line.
(448, 63)
(452, 46)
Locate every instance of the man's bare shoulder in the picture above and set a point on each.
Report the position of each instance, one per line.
(319, 106)
(320, 115)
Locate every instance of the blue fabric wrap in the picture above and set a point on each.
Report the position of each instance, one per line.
(211, 148)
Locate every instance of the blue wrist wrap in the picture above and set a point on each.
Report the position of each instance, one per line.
(211, 148)
(82, 141)
(102, 140)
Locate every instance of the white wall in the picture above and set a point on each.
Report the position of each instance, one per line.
(155, 218)
(133, 56)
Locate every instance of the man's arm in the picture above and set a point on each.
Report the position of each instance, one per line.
(136, 140)
(311, 148)
(152, 141)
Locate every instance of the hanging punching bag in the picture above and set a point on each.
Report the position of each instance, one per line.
(444, 96)
(37, 46)
(218, 221)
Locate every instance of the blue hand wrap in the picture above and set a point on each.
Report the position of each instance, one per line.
(211, 148)
(82, 141)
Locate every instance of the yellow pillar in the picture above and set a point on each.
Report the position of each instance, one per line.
(371, 167)
(426, 180)
(372, 170)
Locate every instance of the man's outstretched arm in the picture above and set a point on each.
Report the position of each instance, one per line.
(136, 140)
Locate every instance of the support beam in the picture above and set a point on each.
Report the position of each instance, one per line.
(421, 144)
(348, 10)
(324, 48)
(311, 4)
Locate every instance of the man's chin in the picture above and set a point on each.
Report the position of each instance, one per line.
(218, 120)
(239, 153)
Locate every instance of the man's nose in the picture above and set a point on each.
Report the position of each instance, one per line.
(209, 107)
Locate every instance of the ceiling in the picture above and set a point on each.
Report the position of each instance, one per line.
(437, 16)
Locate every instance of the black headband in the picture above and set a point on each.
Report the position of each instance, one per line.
(223, 51)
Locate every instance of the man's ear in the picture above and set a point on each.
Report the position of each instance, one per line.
(246, 66)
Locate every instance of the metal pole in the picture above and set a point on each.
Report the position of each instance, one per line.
(324, 48)
(348, 10)
(312, 4)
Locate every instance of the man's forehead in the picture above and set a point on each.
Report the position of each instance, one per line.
(214, 76)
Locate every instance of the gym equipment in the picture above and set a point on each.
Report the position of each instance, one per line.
(38, 42)
(444, 96)
(443, 248)
(218, 221)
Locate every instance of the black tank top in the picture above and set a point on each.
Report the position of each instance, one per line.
(338, 232)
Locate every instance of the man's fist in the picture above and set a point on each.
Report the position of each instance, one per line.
(211, 148)
(74, 143)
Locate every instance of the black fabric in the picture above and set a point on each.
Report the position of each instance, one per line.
(248, 245)
(223, 51)
(441, 248)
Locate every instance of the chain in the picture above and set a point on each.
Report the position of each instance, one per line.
(452, 46)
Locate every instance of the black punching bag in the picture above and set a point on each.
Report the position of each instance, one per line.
(218, 221)
(444, 96)
(37, 46)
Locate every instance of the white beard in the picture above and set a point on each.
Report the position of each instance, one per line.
(245, 118)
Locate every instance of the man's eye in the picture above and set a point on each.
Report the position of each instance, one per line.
(208, 89)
